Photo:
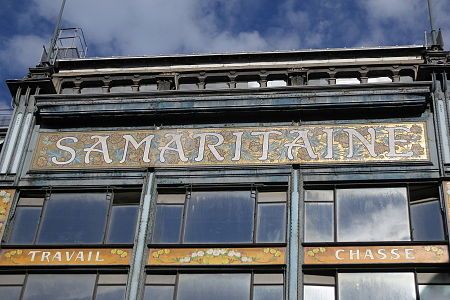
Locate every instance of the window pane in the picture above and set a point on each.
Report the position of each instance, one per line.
(215, 217)
(25, 225)
(59, 287)
(122, 224)
(168, 224)
(427, 221)
(268, 292)
(319, 195)
(319, 222)
(155, 292)
(74, 218)
(318, 292)
(376, 286)
(213, 286)
(434, 292)
(372, 215)
(271, 223)
(10, 292)
(110, 292)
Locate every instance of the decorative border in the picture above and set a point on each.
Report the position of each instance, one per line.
(65, 257)
(216, 256)
(6, 198)
(376, 255)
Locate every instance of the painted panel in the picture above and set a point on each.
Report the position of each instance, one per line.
(216, 256)
(376, 255)
(65, 257)
(6, 198)
(322, 144)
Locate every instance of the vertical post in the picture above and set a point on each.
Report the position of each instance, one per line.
(433, 32)
(294, 239)
(135, 278)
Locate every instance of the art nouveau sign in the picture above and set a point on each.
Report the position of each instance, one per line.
(376, 255)
(64, 257)
(232, 146)
(216, 256)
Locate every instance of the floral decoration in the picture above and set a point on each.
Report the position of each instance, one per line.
(119, 252)
(315, 253)
(5, 205)
(438, 251)
(217, 256)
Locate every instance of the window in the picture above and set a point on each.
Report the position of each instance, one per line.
(36, 286)
(434, 286)
(236, 216)
(350, 215)
(377, 285)
(76, 218)
(318, 287)
(218, 286)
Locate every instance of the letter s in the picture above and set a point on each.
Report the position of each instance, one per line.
(65, 148)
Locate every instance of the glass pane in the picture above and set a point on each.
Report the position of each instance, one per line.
(219, 217)
(10, 292)
(434, 292)
(74, 218)
(312, 292)
(122, 224)
(268, 292)
(155, 292)
(268, 278)
(372, 215)
(272, 197)
(319, 195)
(110, 292)
(168, 224)
(430, 278)
(427, 221)
(213, 286)
(271, 223)
(59, 287)
(25, 225)
(376, 286)
(319, 220)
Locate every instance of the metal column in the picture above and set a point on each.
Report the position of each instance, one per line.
(137, 274)
(294, 292)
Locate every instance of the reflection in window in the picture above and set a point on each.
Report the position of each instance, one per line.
(220, 217)
(63, 286)
(434, 286)
(317, 287)
(206, 286)
(359, 211)
(375, 286)
(214, 217)
(76, 218)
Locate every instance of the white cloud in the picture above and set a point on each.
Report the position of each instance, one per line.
(21, 52)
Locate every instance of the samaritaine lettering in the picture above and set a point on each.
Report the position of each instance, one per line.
(227, 146)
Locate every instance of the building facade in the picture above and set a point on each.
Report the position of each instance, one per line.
(320, 174)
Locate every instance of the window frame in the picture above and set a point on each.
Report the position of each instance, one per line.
(46, 196)
(254, 190)
(410, 203)
(98, 274)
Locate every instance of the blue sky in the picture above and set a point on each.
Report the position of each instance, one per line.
(151, 27)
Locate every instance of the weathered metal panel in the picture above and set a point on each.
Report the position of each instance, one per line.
(311, 144)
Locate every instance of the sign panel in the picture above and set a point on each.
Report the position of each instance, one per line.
(216, 256)
(6, 198)
(322, 144)
(64, 257)
(376, 255)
